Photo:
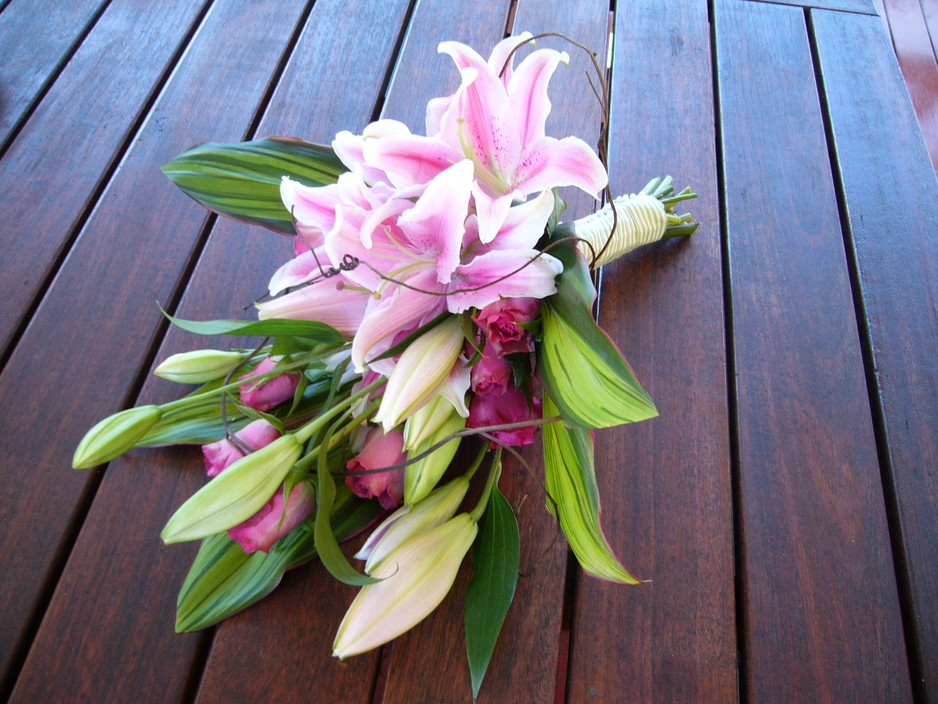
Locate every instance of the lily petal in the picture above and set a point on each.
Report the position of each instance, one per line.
(436, 224)
(549, 162)
(411, 159)
(502, 51)
(402, 309)
(491, 212)
(527, 91)
(299, 270)
(327, 301)
(536, 280)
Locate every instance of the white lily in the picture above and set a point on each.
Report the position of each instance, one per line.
(420, 372)
(415, 578)
(410, 521)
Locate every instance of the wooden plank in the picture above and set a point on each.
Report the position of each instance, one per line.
(289, 636)
(88, 352)
(35, 39)
(665, 483)
(820, 612)
(861, 6)
(891, 194)
(919, 67)
(72, 137)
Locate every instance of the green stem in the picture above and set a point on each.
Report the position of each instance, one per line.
(494, 473)
(298, 364)
(305, 432)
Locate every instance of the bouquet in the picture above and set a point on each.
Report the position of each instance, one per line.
(436, 304)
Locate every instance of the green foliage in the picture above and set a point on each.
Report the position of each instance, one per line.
(224, 580)
(571, 481)
(309, 331)
(495, 560)
(242, 180)
(586, 376)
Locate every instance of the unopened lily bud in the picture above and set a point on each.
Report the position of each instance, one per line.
(410, 521)
(415, 579)
(426, 421)
(114, 435)
(423, 367)
(641, 219)
(198, 366)
(421, 476)
(236, 494)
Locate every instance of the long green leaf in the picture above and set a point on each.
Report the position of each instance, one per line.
(495, 560)
(327, 543)
(224, 580)
(242, 180)
(309, 329)
(588, 378)
(571, 481)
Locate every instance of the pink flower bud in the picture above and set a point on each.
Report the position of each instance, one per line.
(272, 522)
(380, 450)
(218, 455)
(499, 322)
(491, 374)
(510, 407)
(276, 390)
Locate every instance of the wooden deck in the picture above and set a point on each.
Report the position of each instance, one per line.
(785, 503)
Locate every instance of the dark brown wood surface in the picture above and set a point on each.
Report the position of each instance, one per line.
(890, 204)
(51, 175)
(87, 342)
(34, 51)
(819, 598)
(914, 43)
(784, 505)
(665, 483)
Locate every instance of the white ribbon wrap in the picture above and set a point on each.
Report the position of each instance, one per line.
(641, 220)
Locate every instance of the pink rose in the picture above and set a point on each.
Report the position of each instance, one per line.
(272, 522)
(499, 322)
(218, 455)
(380, 450)
(510, 407)
(276, 390)
(491, 374)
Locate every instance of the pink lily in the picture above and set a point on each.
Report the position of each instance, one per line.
(497, 122)
(420, 260)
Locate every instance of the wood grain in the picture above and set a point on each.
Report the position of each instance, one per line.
(891, 224)
(917, 60)
(861, 6)
(665, 483)
(49, 175)
(820, 611)
(35, 39)
(86, 343)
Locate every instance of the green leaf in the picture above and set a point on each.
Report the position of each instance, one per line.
(224, 580)
(495, 560)
(571, 481)
(242, 180)
(588, 378)
(326, 543)
(310, 329)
